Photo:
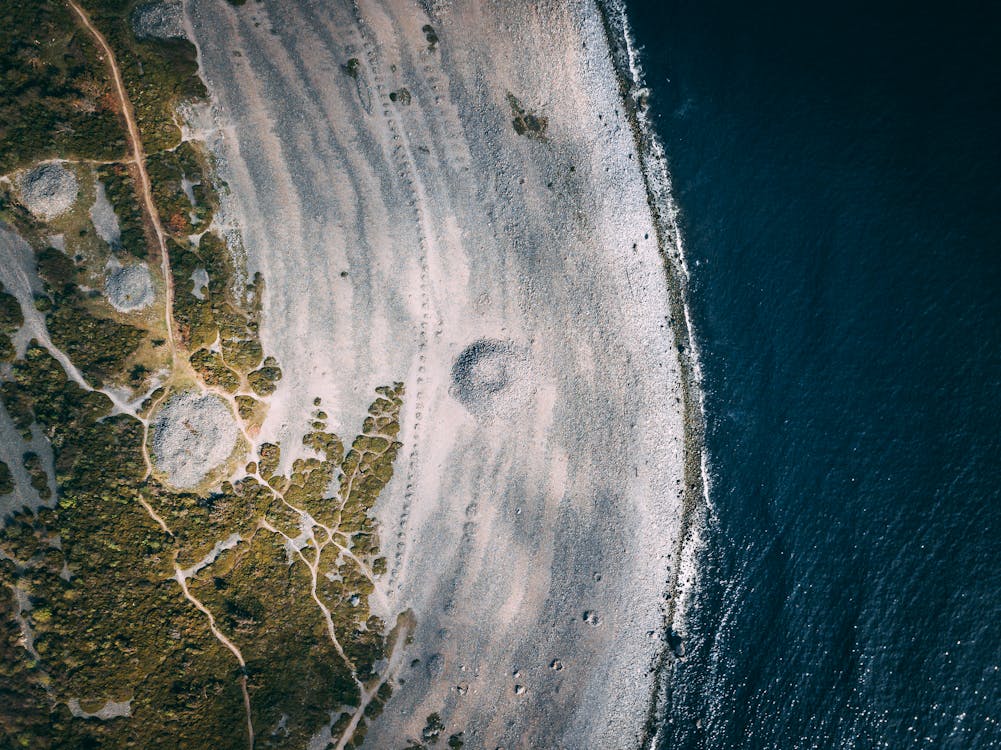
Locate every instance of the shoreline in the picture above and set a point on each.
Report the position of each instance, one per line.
(695, 497)
(424, 271)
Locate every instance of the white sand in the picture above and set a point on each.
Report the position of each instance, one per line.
(49, 190)
(455, 230)
(193, 434)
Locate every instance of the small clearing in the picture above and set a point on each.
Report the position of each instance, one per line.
(103, 217)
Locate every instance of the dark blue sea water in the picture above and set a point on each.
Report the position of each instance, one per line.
(838, 172)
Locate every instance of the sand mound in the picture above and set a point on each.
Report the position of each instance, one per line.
(48, 190)
(488, 374)
(160, 20)
(192, 435)
(129, 288)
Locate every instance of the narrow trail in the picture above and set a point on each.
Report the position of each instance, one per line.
(409, 174)
(221, 637)
(179, 576)
(314, 570)
(139, 159)
(154, 515)
(395, 655)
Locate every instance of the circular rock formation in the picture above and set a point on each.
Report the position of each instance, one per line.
(193, 434)
(48, 190)
(129, 288)
(159, 20)
(487, 374)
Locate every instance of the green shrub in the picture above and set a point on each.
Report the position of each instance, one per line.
(264, 381)
(6, 480)
(213, 370)
(11, 318)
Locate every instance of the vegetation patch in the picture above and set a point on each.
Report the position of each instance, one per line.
(119, 187)
(265, 380)
(213, 370)
(430, 36)
(173, 174)
(528, 124)
(216, 312)
(159, 74)
(37, 474)
(56, 100)
(11, 320)
(99, 347)
(251, 410)
(6, 479)
(352, 67)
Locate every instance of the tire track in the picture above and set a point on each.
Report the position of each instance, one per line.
(407, 173)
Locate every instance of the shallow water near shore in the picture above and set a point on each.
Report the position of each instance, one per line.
(836, 175)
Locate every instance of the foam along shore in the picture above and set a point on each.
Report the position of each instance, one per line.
(487, 239)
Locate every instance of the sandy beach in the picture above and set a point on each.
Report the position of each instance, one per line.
(407, 230)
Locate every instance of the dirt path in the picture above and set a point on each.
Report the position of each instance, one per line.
(403, 630)
(139, 159)
(221, 637)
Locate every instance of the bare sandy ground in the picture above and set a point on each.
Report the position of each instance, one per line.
(514, 284)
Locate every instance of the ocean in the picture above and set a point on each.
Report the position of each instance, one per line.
(836, 168)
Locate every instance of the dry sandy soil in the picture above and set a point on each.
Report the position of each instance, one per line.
(515, 285)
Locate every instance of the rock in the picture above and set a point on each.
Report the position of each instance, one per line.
(193, 434)
(129, 288)
(488, 375)
(49, 190)
(161, 19)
